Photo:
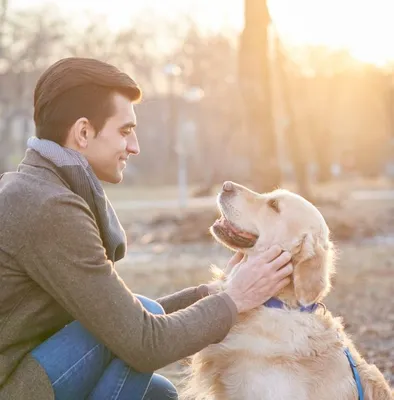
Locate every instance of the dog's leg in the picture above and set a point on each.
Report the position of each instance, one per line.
(374, 384)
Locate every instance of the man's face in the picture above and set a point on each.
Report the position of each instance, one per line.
(107, 153)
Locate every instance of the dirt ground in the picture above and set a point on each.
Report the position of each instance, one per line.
(363, 285)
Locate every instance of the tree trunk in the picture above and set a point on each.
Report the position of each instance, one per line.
(298, 156)
(256, 90)
(323, 152)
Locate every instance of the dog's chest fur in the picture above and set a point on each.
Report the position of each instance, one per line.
(269, 355)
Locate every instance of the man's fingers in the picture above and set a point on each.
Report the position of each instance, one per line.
(271, 254)
(236, 258)
(282, 284)
(282, 276)
(285, 271)
(279, 276)
(280, 261)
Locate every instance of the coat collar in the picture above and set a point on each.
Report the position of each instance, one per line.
(34, 163)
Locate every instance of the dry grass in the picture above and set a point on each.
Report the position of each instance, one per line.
(124, 192)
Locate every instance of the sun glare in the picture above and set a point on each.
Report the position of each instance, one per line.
(364, 27)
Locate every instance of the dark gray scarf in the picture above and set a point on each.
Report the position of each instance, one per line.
(76, 171)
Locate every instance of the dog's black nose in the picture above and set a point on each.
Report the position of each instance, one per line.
(228, 186)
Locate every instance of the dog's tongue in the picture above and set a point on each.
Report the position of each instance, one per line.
(235, 230)
(246, 235)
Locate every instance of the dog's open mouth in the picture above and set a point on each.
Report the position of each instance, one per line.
(232, 235)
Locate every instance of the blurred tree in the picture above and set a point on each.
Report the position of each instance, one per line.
(324, 91)
(3, 70)
(209, 61)
(27, 41)
(127, 48)
(292, 135)
(372, 140)
(254, 75)
(342, 111)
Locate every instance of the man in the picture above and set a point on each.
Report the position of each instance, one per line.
(69, 326)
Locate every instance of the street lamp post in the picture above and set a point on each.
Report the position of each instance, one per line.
(172, 71)
(181, 151)
(179, 135)
(193, 95)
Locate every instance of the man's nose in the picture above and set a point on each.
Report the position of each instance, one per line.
(133, 146)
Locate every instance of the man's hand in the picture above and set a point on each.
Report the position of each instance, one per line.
(259, 278)
(234, 260)
(217, 285)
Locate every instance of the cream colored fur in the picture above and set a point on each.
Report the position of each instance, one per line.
(273, 354)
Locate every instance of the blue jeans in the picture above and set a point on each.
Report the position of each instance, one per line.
(79, 367)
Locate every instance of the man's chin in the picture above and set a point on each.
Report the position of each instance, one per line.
(112, 179)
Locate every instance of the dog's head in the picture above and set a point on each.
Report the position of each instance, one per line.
(253, 222)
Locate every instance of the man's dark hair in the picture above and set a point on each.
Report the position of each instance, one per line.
(73, 88)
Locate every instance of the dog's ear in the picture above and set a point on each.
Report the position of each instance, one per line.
(313, 265)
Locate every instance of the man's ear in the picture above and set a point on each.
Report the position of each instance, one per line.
(80, 133)
(313, 265)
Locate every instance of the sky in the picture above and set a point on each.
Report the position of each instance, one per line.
(364, 27)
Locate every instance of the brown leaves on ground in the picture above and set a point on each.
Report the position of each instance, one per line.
(347, 221)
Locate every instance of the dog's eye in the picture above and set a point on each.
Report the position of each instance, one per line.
(274, 204)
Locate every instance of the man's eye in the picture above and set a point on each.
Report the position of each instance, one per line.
(126, 132)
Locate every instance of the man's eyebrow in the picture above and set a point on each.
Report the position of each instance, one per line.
(128, 125)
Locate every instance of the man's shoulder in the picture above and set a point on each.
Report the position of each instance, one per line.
(18, 188)
(25, 200)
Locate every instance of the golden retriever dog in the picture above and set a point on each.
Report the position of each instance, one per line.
(292, 352)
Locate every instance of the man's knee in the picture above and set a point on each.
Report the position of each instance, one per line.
(161, 388)
(151, 305)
